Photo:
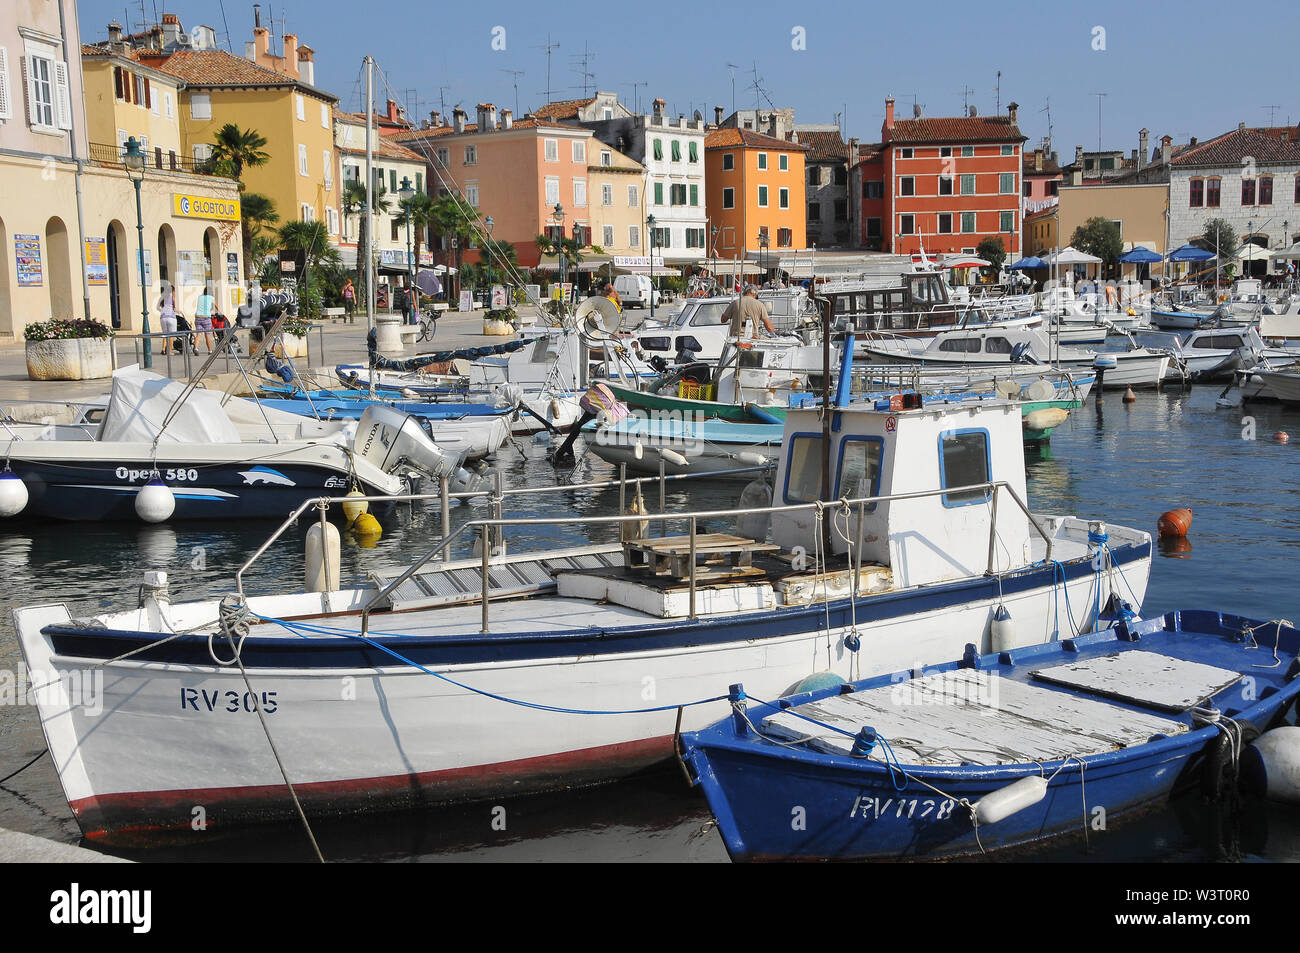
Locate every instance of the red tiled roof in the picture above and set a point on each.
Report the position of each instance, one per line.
(221, 69)
(563, 109)
(385, 147)
(1232, 148)
(956, 129)
(824, 146)
(730, 138)
(434, 132)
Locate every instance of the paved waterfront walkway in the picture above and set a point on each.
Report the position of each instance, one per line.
(18, 848)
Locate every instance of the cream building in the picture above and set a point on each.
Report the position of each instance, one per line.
(617, 199)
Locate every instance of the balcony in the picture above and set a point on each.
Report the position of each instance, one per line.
(108, 156)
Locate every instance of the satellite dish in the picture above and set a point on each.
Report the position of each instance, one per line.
(699, 116)
(598, 318)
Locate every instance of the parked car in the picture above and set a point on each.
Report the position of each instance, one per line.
(636, 291)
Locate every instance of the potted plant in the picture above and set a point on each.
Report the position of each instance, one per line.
(293, 337)
(68, 350)
(503, 321)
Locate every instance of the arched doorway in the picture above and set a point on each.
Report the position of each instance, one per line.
(166, 271)
(212, 259)
(58, 268)
(119, 274)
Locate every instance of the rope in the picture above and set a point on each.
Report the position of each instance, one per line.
(233, 616)
(14, 774)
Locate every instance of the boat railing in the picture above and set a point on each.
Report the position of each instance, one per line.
(185, 359)
(493, 528)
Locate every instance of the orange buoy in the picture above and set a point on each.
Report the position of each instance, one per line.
(1129, 396)
(1282, 437)
(1175, 522)
(1175, 547)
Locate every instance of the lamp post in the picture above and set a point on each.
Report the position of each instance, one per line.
(762, 250)
(404, 196)
(133, 159)
(650, 227)
(558, 214)
(488, 223)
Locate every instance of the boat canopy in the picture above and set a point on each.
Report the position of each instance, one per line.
(141, 401)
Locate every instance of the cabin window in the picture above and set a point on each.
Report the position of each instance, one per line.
(545, 351)
(803, 471)
(964, 461)
(656, 344)
(960, 345)
(1219, 341)
(997, 346)
(859, 469)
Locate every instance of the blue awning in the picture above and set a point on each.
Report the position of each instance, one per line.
(1030, 262)
(1190, 253)
(1140, 256)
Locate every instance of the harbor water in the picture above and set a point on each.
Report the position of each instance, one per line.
(1124, 463)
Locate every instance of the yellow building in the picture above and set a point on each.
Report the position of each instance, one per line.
(124, 98)
(296, 119)
(615, 200)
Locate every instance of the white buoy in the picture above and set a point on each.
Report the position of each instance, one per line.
(756, 495)
(155, 502)
(751, 458)
(672, 456)
(352, 510)
(1002, 630)
(638, 450)
(13, 493)
(322, 554)
(1006, 801)
(1271, 764)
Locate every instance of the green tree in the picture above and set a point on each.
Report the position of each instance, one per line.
(256, 214)
(1100, 237)
(234, 148)
(312, 239)
(419, 209)
(354, 203)
(1221, 238)
(454, 219)
(994, 252)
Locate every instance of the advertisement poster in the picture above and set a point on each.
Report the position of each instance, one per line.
(499, 296)
(145, 267)
(96, 261)
(466, 301)
(27, 251)
(232, 266)
(190, 269)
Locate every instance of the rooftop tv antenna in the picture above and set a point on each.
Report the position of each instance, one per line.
(1100, 97)
(965, 99)
(580, 64)
(1047, 108)
(1272, 112)
(548, 46)
(514, 74)
(997, 92)
(731, 68)
(636, 102)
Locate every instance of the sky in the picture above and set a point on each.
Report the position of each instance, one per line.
(1195, 68)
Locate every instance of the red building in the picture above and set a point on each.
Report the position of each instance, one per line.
(949, 182)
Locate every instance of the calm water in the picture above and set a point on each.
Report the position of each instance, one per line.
(1124, 463)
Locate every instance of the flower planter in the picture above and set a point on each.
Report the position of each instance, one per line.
(70, 359)
(291, 345)
(493, 326)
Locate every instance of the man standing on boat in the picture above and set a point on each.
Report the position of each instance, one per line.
(745, 309)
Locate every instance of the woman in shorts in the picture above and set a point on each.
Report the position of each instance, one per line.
(203, 317)
(167, 316)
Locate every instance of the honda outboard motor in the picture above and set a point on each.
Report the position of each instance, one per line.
(390, 439)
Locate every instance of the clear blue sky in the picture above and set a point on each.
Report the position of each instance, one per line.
(856, 54)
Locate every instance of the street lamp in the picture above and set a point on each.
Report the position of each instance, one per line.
(762, 246)
(650, 227)
(404, 196)
(133, 160)
(558, 213)
(488, 223)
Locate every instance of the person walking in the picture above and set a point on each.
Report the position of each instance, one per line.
(167, 315)
(349, 298)
(203, 312)
(747, 309)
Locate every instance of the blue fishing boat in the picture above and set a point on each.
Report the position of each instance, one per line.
(1004, 749)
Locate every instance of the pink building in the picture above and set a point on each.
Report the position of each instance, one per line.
(516, 171)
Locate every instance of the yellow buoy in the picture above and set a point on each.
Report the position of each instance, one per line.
(351, 511)
(366, 525)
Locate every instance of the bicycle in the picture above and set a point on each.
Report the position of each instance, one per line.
(428, 323)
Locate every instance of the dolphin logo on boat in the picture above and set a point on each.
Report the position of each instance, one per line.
(265, 475)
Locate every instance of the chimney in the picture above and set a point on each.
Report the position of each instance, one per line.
(291, 54)
(717, 115)
(1166, 147)
(888, 127)
(487, 117)
(658, 110)
(771, 126)
(974, 111)
(917, 110)
(1144, 147)
(115, 32)
(458, 117)
(853, 151)
(307, 65)
(171, 27)
(1241, 127)
(507, 119)
(390, 111)
(261, 42)
(1013, 110)
(1192, 143)
(1038, 160)
(1078, 155)
(1056, 159)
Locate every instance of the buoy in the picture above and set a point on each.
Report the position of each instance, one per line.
(155, 502)
(1271, 765)
(366, 525)
(1282, 437)
(1006, 801)
(638, 450)
(1129, 396)
(751, 459)
(814, 683)
(13, 493)
(1046, 418)
(672, 456)
(1002, 630)
(322, 557)
(352, 510)
(756, 495)
(1175, 522)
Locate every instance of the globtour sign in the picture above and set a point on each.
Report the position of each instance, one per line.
(199, 206)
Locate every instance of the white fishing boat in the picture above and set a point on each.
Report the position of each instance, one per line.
(512, 673)
(994, 347)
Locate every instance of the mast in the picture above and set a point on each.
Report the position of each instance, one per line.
(370, 209)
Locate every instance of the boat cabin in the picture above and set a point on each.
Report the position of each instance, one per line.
(917, 303)
(884, 452)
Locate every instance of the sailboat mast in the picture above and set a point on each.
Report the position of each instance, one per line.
(370, 208)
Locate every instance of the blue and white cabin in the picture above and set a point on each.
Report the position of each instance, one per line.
(924, 540)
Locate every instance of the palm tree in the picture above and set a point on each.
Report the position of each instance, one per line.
(453, 218)
(256, 212)
(420, 210)
(313, 241)
(237, 148)
(354, 203)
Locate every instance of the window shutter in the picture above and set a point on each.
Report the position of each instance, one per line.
(148, 94)
(62, 96)
(117, 82)
(135, 88)
(29, 82)
(695, 152)
(6, 109)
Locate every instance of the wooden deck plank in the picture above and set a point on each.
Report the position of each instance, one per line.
(1143, 678)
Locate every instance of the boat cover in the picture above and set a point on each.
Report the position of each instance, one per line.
(141, 400)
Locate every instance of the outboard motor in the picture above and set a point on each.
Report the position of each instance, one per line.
(1020, 354)
(687, 347)
(390, 439)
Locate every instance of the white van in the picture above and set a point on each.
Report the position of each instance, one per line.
(635, 291)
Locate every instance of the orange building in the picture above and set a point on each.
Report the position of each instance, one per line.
(951, 182)
(754, 186)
